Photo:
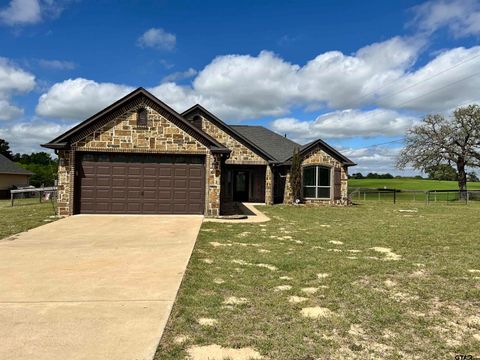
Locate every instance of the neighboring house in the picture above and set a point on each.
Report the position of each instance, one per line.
(140, 156)
(11, 175)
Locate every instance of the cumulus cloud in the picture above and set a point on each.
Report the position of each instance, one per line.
(461, 17)
(180, 75)
(13, 80)
(21, 12)
(237, 87)
(449, 80)
(157, 38)
(26, 137)
(379, 159)
(345, 124)
(28, 12)
(79, 98)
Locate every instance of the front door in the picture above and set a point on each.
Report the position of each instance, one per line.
(240, 186)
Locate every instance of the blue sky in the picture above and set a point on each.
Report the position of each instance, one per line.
(354, 73)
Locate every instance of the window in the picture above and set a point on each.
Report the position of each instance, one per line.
(142, 117)
(316, 182)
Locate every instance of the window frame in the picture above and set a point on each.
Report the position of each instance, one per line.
(316, 186)
(142, 110)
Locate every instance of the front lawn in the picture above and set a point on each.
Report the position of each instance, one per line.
(367, 281)
(26, 214)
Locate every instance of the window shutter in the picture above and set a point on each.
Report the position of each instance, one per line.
(337, 183)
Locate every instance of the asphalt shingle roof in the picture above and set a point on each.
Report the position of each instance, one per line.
(9, 167)
(278, 146)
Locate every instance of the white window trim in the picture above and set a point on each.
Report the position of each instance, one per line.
(316, 186)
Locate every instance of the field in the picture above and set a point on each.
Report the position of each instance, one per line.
(26, 214)
(408, 184)
(375, 280)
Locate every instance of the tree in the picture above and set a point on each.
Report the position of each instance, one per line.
(5, 149)
(296, 175)
(472, 177)
(438, 140)
(442, 172)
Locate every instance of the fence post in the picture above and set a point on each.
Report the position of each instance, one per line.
(11, 197)
(394, 196)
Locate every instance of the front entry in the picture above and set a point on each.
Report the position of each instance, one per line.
(240, 186)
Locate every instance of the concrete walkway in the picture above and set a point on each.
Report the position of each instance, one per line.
(92, 287)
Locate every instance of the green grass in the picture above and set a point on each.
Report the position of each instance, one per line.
(26, 214)
(408, 184)
(424, 305)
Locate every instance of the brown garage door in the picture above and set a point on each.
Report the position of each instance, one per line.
(140, 184)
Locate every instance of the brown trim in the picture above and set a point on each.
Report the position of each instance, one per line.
(327, 148)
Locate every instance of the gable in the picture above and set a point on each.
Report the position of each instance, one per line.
(88, 133)
(242, 150)
(123, 133)
(240, 154)
(317, 156)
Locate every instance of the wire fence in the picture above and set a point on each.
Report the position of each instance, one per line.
(28, 195)
(427, 197)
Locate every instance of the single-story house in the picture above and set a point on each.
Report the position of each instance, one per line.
(140, 156)
(11, 175)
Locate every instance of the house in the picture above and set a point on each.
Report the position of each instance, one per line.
(11, 175)
(140, 156)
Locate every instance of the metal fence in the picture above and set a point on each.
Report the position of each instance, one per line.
(426, 196)
(42, 193)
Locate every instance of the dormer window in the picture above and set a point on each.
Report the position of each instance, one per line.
(142, 117)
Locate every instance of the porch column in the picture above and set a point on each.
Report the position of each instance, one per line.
(269, 186)
(214, 170)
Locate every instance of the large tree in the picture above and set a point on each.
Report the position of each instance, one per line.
(5, 149)
(439, 140)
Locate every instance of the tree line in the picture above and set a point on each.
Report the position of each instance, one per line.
(41, 164)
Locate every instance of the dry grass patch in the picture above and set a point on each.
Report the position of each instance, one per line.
(403, 288)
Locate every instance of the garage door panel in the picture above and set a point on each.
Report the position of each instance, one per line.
(140, 184)
(119, 170)
(119, 182)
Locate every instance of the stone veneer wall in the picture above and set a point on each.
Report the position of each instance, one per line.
(319, 157)
(123, 135)
(66, 170)
(213, 184)
(268, 185)
(240, 153)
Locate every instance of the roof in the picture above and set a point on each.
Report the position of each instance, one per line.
(7, 166)
(269, 144)
(195, 109)
(63, 141)
(278, 146)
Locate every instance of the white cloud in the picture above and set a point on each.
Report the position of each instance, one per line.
(79, 98)
(157, 38)
(13, 80)
(377, 159)
(424, 90)
(180, 75)
(461, 17)
(345, 124)
(57, 64)
(26, 137)
(21, 12)
(28, 12)
(9, 111)
(246, 87)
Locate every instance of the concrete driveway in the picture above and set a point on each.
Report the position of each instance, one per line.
(92, 287)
